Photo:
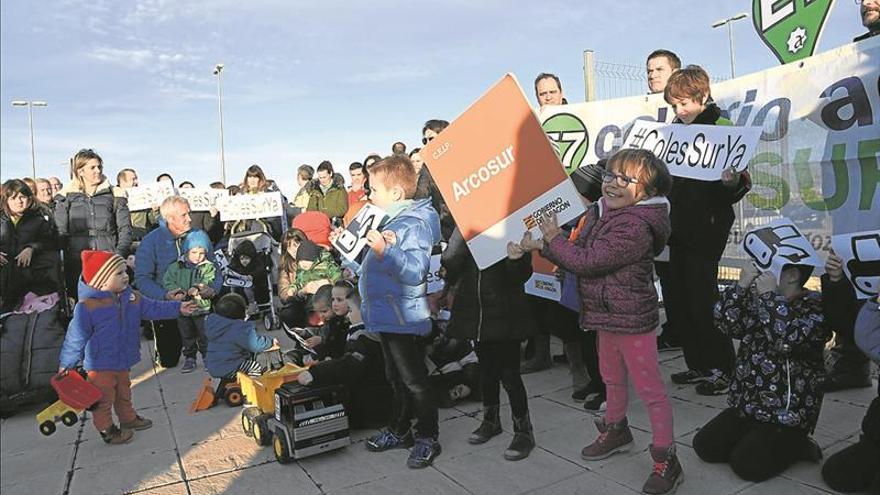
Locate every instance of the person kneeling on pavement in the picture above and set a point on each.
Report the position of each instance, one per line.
(775, 395)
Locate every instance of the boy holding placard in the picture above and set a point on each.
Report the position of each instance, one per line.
(393, 287)
(702, 215)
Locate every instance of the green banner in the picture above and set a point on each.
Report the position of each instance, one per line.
(790, 28)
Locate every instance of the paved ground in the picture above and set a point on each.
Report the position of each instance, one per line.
(207, 453)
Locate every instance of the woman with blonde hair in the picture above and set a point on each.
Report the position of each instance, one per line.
(90, 214)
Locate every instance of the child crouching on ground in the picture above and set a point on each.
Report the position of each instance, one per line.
(192, 276)
(105, 335)
(392, 284)
(613, 258)
(361, 369)
(232, 342)
(775, 394)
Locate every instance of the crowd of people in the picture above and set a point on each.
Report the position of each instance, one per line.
(370, 327)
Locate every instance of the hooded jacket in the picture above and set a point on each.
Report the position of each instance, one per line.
(394, 287)
(324, 268)
(779, 367)
(182, 274)
(105, 330)
(100, 221)
(231, 342)
(157, 251)
(613, 259)
(333, 203)
(490, 304)
(702, 211)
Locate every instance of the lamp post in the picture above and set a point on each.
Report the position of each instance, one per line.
(729, 22)
(30, 105)
(218, 70)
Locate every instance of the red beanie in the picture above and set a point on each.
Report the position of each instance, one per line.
(99, 266)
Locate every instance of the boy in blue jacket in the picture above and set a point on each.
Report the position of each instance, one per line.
(393, 287)
(104, 335)
(232, 342)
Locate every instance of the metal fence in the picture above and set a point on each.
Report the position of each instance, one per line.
(612, 79)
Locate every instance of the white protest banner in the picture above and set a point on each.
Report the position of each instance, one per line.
(148, 195)
(817, 158)
(543, 282)
(250, 206)
(435, 283)
(202, 198)
(352, 242)
(777, 244)
(498, 173)
(699, 152)
(861, 260)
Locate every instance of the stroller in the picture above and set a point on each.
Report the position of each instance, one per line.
(269, 251)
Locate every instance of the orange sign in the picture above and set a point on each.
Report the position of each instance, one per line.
(498, 172)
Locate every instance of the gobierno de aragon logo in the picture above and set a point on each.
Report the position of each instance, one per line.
(536, 218)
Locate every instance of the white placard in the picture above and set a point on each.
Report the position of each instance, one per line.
(543, 285)
(250, 206)
(202, 198)
(352, 242)
(861, 260)
(149, 195)
(694, 151)
(435, 283)
(777, 244)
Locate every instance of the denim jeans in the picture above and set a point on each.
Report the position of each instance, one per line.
(412, 399)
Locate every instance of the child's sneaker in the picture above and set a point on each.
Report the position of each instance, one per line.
(716, 384)
(613, 438)
(423, 453)
(595, 402)
(667, 473)
(189, 365)
(115, 436)
(139, 423)
(387, 440)
(688, 377)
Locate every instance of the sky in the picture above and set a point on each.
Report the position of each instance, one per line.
(309, 81)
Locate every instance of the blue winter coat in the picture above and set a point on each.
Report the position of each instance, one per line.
(867, 330)
(158, 250)
(105, 330)
(231, 342)
(394, 287)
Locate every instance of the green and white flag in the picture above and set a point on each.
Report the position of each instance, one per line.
(790, 28)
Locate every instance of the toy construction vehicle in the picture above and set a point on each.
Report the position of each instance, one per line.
(308, 421)
(75, 394)
(259, 395)
(227, 390)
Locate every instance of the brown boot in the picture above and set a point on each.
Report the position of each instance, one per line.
(667, 473)
(613, 438)
(115, 436)
(139, 423)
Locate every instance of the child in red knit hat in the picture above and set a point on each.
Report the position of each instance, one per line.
(104, 335)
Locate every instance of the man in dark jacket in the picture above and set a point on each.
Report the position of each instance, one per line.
(870, 11)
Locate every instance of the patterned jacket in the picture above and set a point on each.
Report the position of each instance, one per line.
(779, 367)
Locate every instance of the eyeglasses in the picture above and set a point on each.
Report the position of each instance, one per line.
(622, 180)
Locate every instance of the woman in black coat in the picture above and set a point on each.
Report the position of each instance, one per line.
(28, 251)
(490, 307)
(89, 214)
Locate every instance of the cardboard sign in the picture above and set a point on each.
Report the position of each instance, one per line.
(498, 173)
(777, 244)
(699, 152)
(149, 195)
(861, 260)
(352, 242)
(202, 198)
(250, 206)
(435, 283)
(543, 282)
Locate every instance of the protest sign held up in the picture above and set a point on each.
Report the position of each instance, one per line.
(498, 173)
(699, 152)
(352, 242)
(250, 206)
(861, 260)
(202, 198)
(778, 244)
(148, 195)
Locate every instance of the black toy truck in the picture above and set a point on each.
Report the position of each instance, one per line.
(308, 421)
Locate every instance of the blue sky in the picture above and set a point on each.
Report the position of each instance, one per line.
(307, 81)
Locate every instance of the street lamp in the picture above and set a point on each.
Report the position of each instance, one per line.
(30, 105)
(729, 22)
(218, 69)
